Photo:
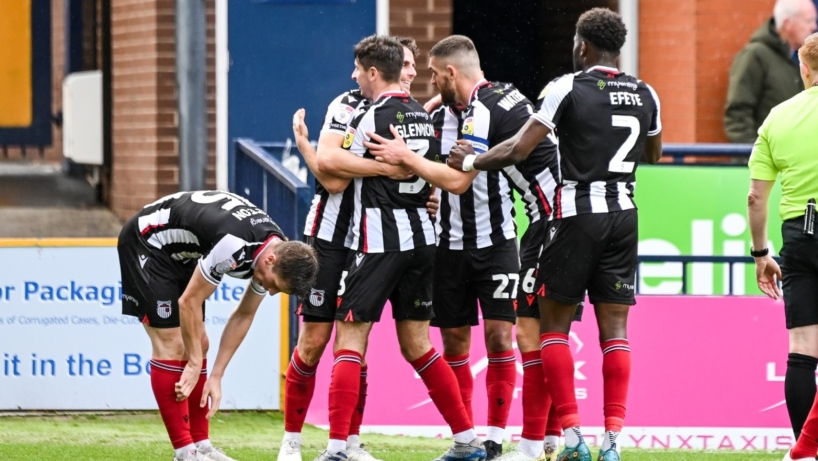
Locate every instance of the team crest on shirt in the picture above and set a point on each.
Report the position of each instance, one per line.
(468, 126)
(226, 266)
(344, 114)
(316, 297)
(164, 309)
(349, 137)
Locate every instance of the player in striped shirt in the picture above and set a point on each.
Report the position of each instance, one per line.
(328, 230)
(173, 254)
(606, 121)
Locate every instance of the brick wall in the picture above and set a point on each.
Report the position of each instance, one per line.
(686, 48)
(427, 21)
(144, 119)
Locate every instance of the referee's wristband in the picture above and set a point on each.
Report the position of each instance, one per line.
(468, 162)
(759, 253)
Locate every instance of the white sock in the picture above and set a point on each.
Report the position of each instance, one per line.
(353, 442)
(334, 446)
(609, 439)
(496, 434)
(293, 436)
(465, 436)
(204, 444)
(532, 448)
(186, 452)
(572, 436)
(552, 441)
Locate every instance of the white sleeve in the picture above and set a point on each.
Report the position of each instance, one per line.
(221, 259)
(339, 113)
(356, 133)
(476, 127)
(656, 122)
(555, 97)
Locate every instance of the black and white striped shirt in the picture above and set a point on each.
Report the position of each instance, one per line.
(330, 215)
(223, 231)
(602, 118)
(391, 215)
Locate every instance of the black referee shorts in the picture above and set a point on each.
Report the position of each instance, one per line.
(594, 251)
(322, 301)
(404, 278)
(799, 266)
(152, 281)
(464, 277)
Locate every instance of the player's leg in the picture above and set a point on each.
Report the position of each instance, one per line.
(455, 314)
(568, 258)
(611, 291)
(412, 310)
(317, 312)
(496, 272)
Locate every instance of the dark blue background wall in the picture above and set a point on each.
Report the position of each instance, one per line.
(284, 56)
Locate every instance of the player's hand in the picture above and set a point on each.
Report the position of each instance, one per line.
(299, 126)
(460, 150)
(767, 275)
(433, 103)
(391, 151)
(433, 204)
(396, 172)
(190, 376)
(212, 389)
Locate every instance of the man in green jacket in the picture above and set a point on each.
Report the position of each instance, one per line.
(765, 73)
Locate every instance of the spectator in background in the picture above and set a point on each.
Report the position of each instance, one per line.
(765, 73)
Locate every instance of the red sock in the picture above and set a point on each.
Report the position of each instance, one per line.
(553, 426)
(616, 374)
(807, 444)
(358, 415)
(536, 399)
(559, 373)
(442, 385)
(164, 376)
(343, 392)
(299, 386)
(199, 425)
(501, 377)
(465, 380)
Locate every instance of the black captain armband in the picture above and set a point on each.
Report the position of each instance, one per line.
(759, 253)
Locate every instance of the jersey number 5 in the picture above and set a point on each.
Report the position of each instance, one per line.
(618, 163)
(420, 147)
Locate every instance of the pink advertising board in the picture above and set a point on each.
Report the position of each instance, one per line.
(708, 372)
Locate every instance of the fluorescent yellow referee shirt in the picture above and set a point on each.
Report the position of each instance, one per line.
(788, 144)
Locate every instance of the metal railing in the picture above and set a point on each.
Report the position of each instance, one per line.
(707, 154)
(685, 260)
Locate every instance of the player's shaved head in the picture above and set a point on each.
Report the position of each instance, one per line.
(458, 51)
(809, 52)
(383, 53)
(603, 29)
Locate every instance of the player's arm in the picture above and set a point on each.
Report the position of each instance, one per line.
(653, 143)
(234, 333)
(332, 183)
(509, 152)
(396, 152)
(192, 326)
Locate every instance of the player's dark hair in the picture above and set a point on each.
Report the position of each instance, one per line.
(297, 265)
(603, 28)
(409, 43)
(453, 45)
(383, 53)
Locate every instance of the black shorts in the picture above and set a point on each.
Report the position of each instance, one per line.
(152, 282)
(530, 248)
(402, 277)
(799, 266)
(320, 305)
(595, 251)
(464, 277)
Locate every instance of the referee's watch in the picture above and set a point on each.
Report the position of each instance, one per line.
(759, 253)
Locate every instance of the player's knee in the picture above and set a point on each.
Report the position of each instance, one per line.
(311, 347)
(528, 335)
(205, 344)
(804, 340)
(456, 341)
(413, 348)
(498, 337)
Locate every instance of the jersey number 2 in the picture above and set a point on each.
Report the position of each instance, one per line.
(618, 163)
(420, 147)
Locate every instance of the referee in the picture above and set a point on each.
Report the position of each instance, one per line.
(786, 145)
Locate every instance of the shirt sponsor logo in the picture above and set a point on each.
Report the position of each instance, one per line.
(226, 265)
(164, 309)
(254, 221)
(468, 126)
(349, 137)
(344, 114)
